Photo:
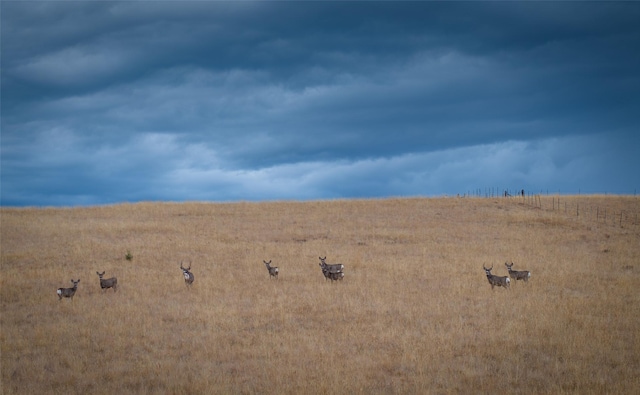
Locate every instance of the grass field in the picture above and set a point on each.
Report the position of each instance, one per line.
(414, 313)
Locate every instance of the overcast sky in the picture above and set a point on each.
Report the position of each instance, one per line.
(107, 102)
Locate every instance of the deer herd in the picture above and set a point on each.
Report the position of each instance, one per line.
(333, 272)
(504, 281)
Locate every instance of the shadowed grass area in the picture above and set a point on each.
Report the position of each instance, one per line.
(414, 313)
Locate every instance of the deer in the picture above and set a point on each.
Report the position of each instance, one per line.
(333, 276)
(107, 283)
(335, 268)
(335, 273)
(518, 274)
(68, 292)
(188, 276)
(496, 280)
(273, 270)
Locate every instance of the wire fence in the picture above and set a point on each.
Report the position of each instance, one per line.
(490, 192)
(588, 210)
(587, 207)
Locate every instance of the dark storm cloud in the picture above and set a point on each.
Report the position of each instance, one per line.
(105, 102)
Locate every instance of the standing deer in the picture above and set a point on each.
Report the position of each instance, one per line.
(273, 270)
(68, 292)
(518, 274)
(108, 283)
(188, 276)
(334, 268)
(496, 280)
(332, 272)
(333, 276)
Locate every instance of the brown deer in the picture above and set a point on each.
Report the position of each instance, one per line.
(188, 276)
(496, 281)
(518, 274)
(108, 282)
(68, 292)
(333, 276)
(331, 272)
(273, 270)
(334, 268)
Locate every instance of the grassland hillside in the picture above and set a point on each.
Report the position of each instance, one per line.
(414, 313)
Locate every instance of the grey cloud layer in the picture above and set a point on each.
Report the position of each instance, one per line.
(105, 102)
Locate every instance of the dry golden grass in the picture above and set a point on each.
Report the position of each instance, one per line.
(414, 314)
